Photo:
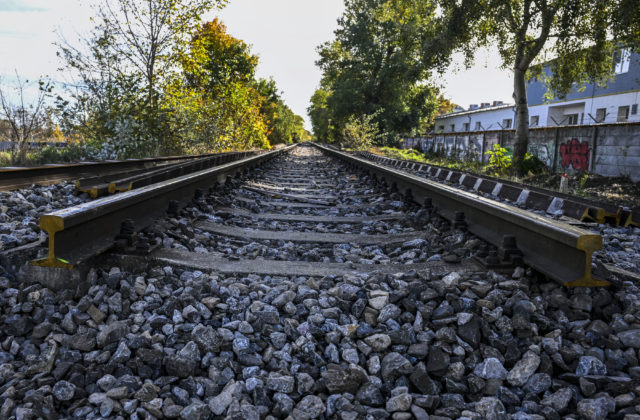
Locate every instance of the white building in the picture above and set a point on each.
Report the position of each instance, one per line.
(616, 102)
(496, 116)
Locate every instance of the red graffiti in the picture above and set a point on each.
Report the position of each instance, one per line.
(576, 154)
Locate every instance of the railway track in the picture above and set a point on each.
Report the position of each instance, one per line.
(92, 175)
(314, 284)
(78, 233)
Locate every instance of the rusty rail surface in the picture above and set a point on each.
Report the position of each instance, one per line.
(558, 250)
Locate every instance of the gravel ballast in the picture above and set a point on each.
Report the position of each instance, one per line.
(168, 342)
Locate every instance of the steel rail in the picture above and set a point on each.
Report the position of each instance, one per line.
(86, 230)
(579, 208)
(98, 186)
(558, 250)
(130, 182)
(21, 177)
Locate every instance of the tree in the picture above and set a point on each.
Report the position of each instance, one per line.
(214, 100)
(149, 34)
(626, 23)
(217, 59)
(155, 80)
(360, 133)
(574, 31)
(320, 116)
(445, 106)
(24, 119)
(124, 67)
(284, 125)
(374, 67)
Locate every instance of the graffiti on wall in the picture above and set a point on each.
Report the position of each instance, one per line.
(575, 154)
(543, 151)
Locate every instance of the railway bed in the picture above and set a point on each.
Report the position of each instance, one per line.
(332, 295)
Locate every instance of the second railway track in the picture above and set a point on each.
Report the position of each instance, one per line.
(307, 287)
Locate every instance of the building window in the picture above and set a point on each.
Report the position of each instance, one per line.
(601, 115)
(441, 128)
(535, 120)
(506, 123)
(623, 114)
(465, 127)
(634, 109)
(622, 59)
(572, 119)
(453, 127)
(478, 126)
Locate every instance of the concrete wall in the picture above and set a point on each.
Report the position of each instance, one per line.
(604, 149)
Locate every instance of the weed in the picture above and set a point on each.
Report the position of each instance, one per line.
(581, 191)
(499, 160)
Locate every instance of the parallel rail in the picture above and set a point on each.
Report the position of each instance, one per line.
(126, 181)
(558, 250)
(537, 198)
(80, 232)
(21, 177)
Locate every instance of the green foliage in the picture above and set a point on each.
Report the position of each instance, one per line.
(124, 68)
(573, 32)
(431, 158)
(531, 165)
(582, 183)
(321, 116)
(215, 106)
(374, 67)
(499, 160)
(404, 154)
(73, 152)
(284, 127)
(216, 59)
(359, 133)
(626, 23)
(156, 80)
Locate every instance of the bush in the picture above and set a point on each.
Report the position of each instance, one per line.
(532, 165)
(359, 133)
(73, 152)
(499, 160)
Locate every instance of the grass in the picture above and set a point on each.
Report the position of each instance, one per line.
(447, 162)
(5, 159)
(620, 190)
(43, 156)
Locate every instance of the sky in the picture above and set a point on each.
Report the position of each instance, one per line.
(283, 33)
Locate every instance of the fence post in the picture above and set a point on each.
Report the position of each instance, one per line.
(592, 164)
(555, 150)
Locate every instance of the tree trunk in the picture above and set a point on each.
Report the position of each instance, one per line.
(522, 115)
